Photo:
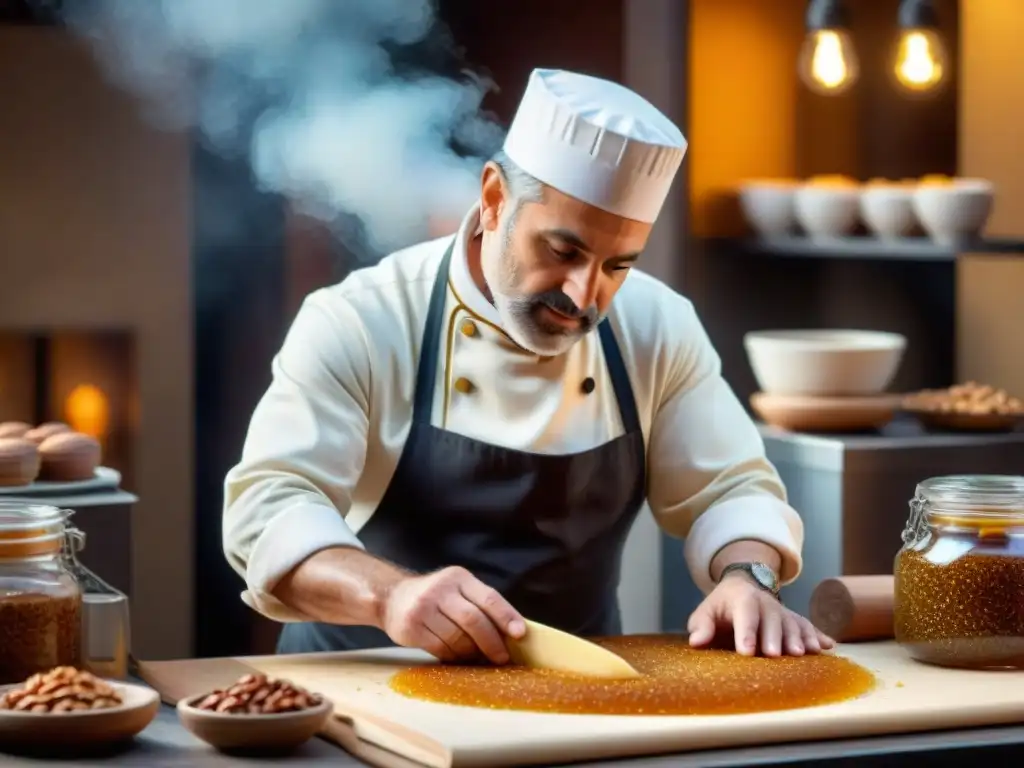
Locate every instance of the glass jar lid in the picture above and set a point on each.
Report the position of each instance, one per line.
(28, 529)
(973, 496)
(26, 517)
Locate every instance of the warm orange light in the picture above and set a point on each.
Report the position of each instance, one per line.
(87, 410)
(828, 62)
(920, 60)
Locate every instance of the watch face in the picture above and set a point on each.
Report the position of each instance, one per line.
(764, 575)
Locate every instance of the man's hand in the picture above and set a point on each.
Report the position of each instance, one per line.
(451, 614)
(756, 618)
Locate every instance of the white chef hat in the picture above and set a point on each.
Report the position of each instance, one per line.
(597, 141)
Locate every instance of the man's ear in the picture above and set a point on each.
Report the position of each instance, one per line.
(493, 197)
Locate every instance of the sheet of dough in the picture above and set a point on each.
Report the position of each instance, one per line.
(910, 697)
(386, 729)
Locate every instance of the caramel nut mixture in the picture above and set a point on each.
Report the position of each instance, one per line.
(964, 612)
(259, 695)
(38, 632)
(970, 398)
(62, 689)
(675, 679)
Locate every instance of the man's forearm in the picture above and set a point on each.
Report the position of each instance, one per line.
(746, 551)
(342, 585)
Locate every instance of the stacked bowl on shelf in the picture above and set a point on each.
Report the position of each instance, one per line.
(825, 380)
(947, 210)
(830, 381)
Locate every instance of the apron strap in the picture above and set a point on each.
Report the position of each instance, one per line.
(620, 378)
(426, 371)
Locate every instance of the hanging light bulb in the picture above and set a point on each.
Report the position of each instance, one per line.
(921, 62)
(87, 410)
(828, 63)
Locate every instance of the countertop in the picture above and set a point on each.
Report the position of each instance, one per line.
(902, 440)
(166, 743)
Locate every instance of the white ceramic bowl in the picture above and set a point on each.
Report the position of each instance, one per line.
(824, 362)
(956, 212)
(888, 211)
(827, 212)
(768, 206)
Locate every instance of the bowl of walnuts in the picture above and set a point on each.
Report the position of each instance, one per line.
(966, 407)
(256, 712)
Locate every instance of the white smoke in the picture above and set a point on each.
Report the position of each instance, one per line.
(308, 91)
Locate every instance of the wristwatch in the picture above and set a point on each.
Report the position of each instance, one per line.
(763, 575)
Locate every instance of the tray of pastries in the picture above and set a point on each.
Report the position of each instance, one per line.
(50, 458)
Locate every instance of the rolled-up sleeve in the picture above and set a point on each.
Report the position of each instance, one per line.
(709, 481)
(287, 497)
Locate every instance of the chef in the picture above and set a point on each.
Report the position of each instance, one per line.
(461, 436)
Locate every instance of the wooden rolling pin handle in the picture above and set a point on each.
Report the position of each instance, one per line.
(854, 608)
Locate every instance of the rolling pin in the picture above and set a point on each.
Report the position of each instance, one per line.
(854, 608)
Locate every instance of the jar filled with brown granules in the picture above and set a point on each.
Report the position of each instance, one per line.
(960, 574)
(40, 600)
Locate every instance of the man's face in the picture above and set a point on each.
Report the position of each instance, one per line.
(552, 274)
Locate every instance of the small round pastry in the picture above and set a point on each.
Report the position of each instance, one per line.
(14, 428)
(19, 461)
(43, 431)
(69, 456)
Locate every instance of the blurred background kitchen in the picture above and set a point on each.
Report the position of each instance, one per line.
(177, 174)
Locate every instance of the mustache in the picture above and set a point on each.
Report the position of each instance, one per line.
(559, 302)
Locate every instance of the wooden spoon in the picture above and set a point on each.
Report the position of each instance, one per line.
(544, 647)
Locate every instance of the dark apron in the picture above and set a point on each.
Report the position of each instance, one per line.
(547, 532)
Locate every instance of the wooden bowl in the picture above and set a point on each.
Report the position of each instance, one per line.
(85, 729)
(804, 413)
(240, 732)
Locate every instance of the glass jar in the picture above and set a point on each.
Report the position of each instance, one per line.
(960, 574)
(40, 600)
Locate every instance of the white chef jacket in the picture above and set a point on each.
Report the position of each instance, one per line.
(326, 436)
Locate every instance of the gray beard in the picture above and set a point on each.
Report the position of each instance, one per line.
(523, 321)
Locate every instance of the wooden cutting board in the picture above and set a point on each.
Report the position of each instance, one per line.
(386, 729)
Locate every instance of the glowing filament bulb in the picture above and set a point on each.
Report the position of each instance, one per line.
(920, 60)
(828, 64)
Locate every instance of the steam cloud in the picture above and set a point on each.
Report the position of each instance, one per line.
(309, 91)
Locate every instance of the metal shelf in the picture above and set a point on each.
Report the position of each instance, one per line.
(862, 247)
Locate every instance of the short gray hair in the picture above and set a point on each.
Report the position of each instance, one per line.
(523, 187)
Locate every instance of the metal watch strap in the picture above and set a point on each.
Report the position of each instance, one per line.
(755, 571)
